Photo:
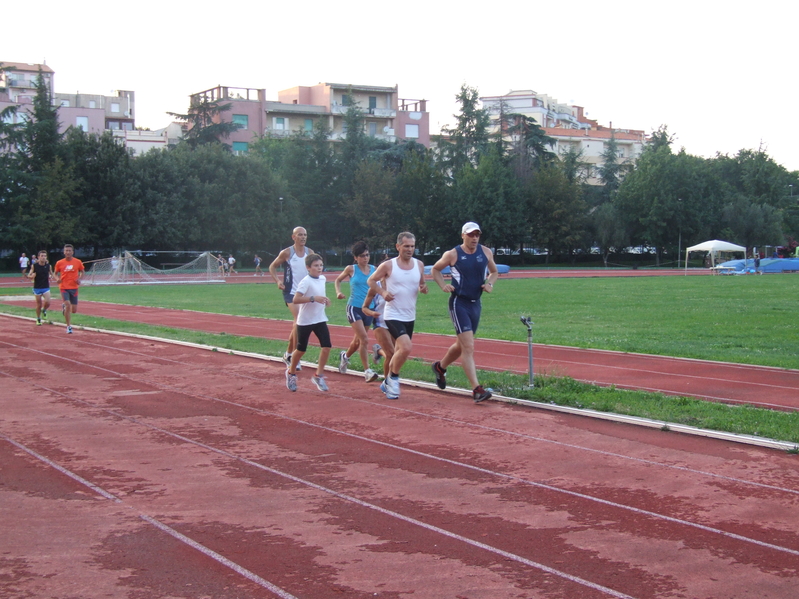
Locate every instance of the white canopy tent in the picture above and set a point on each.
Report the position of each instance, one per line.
(714, 246)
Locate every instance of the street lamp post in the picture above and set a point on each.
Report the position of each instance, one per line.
(679, 237)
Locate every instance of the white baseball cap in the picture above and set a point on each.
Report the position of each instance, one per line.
(470, 227)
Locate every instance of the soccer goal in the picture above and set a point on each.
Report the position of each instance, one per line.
(127, 269)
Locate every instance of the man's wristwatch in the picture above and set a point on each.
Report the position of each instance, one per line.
(313, 299)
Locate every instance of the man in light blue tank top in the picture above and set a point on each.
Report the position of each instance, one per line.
(469, 263)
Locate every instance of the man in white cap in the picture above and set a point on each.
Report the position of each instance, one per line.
(469, 264)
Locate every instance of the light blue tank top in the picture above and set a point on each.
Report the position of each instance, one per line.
(358, 286)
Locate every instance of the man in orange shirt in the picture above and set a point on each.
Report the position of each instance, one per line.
(67, 274)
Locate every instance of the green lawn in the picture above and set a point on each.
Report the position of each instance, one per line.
(745, 319)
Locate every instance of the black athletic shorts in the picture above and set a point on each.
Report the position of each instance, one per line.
(398, 328)
(304, 334)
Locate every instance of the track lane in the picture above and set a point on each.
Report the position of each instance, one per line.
(390, 478)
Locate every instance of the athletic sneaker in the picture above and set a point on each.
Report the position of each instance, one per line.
(370, 375)
(287, 361)
(39, 321)
(392, 384)
(344, 362)
(441, 375)
(320, 382)
(69, 330)
(376, 355)
(481, 394)
(291, 381)
(44, 314)
(384, 389)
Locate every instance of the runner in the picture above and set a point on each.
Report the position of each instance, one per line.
(68, 273)
(468, 263)
(257, 260)
(404, 279)
(311, 300)
(358, 274)
(294, 270)
(40, 273)
(23, 264)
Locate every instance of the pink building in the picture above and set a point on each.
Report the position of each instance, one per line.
(298, 109)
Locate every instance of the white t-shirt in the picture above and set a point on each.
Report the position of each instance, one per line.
(23, 262)
(231, 260)
(312, 312)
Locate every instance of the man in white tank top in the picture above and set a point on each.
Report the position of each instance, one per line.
(403, 279)
(293, 257)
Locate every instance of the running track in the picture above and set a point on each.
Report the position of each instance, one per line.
(762, 386)
(132, 468)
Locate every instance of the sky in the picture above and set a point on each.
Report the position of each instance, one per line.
(720, 76)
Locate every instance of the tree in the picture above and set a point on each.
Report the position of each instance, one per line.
(40, 138)
(530, 146)
(469, 139)
(611, 169)
(203, 125)
(557, 211)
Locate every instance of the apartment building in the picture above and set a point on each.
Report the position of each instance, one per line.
(298, 109)
(93, 113)
(569, 127)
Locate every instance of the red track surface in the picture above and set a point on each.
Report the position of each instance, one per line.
(775, 388)
(132, 468)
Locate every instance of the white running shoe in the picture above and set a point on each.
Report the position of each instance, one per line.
(344, 363)
(291, 381)
(320, 382)
(69, 330)
(287, 359)
(370, 375)
(392, 384)
(376, 355)
(384, 389)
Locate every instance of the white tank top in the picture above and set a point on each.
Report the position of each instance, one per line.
(404, 286)
(298, 269)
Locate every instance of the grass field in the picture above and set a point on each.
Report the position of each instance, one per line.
(736, 319)
(750, 320)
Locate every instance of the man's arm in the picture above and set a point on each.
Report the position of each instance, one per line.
(383, 271)
(282, 257)
(493, 273)
(422, 282)
(447, 259)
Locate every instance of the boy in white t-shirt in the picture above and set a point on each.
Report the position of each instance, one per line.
(311, 318)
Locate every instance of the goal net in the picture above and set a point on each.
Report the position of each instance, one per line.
(127, 269)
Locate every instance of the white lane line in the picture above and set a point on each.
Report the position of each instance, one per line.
(468, 424)
(501, 475)
(160, 525)
(348, 498)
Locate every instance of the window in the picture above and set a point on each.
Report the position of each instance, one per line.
(82, 122)
(241, 119)
(113, 125)
(127, 126)
(372, 129)
(114, 106)
(280, 123)
(92, 104)
(309, 125)
(411, 131)
(65, 103)
(240, 147)
(372, 102)
(346, 100)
